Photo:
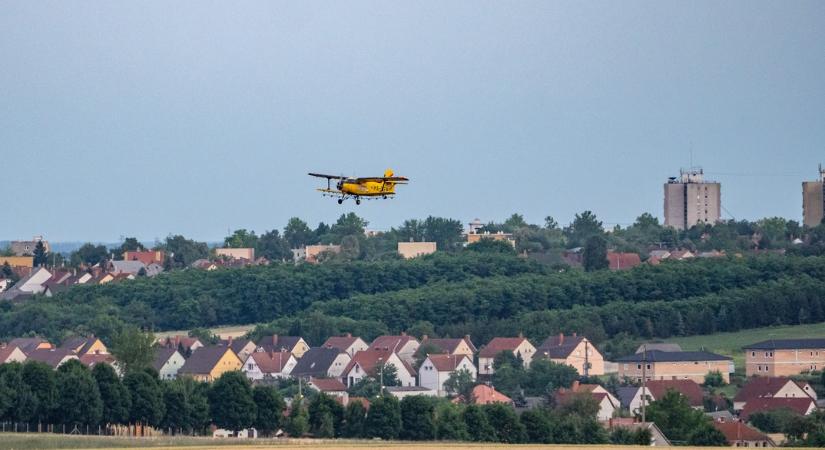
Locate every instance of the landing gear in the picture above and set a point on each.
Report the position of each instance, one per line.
(340, 200)
(384, 197)
(357, 201)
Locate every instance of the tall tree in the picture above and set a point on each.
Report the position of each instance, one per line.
(231, 403)
(273, 247)
(417, 418)
(325, 416)
(133, 349)
(354, 419)
(130, 244)
(595, 254)
(89, 254)
(114, 395)
(269, 406)
(584, 226)
(241, 239)
(446, 233)
(384, 418)
(177, 410)
(146, 398)
(181, 252)
(460, 383)
(40, 380)
(298, 423)
(478, 425)
(450, 424)
(41, 257)
(508, 428)
(298, 234)
(78, 400)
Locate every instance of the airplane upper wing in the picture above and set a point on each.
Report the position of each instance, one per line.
(328, 177)
(380, 179)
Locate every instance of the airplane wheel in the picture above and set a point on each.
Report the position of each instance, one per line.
(385, 197)
(357, 201)
(340, 200)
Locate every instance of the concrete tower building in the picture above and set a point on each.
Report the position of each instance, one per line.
(813, 200)
(690, 200)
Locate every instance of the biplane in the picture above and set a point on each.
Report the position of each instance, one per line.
(367, 187)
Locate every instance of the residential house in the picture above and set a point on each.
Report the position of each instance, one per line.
(608, 404)
(400, 392)
(26, 248)
(575, 351)
(261, 365)
(776, 387)
(110, 277)
(438, 368)
(402, 345)
(622, 261)
(32, 284)
(53, 357)
(204, 264)
(659, 254)
(656, 390)
(292, 344)
(92, 359)
(147, 257)
(209, 363)
(11, 353)
(247, 254)
(87, 345)
(661, 346)
(17, 261)
(167, 362)
(451, 346)
(657, 438)
(659, 365)
(799, 405)
(4, 284)
(347, 343)
(520, 347)
(365, 363)
(135, 267)
(680, 255)
(409, 250)
(739, 434)
(313, 252)
(28, 345)
(784, 357)
(184, 344)
(322, 362)
(330, 386)
(485, 395)
(242, 347)
(472, 238)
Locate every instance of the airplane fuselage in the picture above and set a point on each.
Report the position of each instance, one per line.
(368, 188)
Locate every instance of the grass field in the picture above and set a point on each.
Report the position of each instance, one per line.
(234, 331)
(730, 344)
(59, 441)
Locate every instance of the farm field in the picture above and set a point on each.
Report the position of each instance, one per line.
(55, 441)
(234, 331)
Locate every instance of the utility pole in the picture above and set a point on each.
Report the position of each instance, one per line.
(381, 376)
(644, 380)
(586, 359)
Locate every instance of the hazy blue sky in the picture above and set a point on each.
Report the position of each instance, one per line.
(145, 118)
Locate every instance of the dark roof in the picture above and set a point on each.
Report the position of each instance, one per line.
(315, 362)
(277, 343)
(204, 360)
(26, 345)
(626, 394)
(235, 344)
(341, 342)
(449, 345)
(391, 343)
(162, 354)
(52, 357)
(738, 431)
(559, 346)
(798, 405)
(660, 356)
(787, 344)
(80, 344)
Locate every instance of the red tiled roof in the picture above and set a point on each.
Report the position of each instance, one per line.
(52, 357)
(5, 352)
(500, 344)
(393, 343)
(328, 384)
(184, 341)
(368, 359)
(271, 362)
(484, 395)
(446, 363)
(449, 345)
(797, 405)
(340, 342)
(688, 388)
(738, 431)
(757, 387)
(90, 359)
(623, 261)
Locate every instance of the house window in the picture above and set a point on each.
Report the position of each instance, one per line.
(648, 367)
(753, 353)
(639, 366)
(249, 366)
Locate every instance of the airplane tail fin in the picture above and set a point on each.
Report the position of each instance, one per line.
(388, 173)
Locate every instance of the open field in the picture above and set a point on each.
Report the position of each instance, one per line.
(731, 344)
(233, 330)
(59, 441)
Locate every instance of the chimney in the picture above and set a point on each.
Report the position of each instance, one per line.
(349, 335)
(403, 333)
(229, 344)
(574, 334)
(575, 386)
(467, 337)
(520, 335)
(424, 337)
(561, 339)
(274, 339)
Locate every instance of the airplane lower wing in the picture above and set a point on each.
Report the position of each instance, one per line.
(330, 191)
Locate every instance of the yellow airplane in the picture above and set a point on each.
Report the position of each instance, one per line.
(369, 187)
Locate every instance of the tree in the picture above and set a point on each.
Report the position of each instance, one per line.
(449, 423)
(707, 435)
(460, 384)
(674, 416)
(545, 376)
(270, 408)
(538, 426)
(231, 403)
(298, 423)
(387, 374)
(714, 379)
(273, 247)
(241, 239)
(366, 387)
(446, 233)
(595, 254)
(133, 349)
(89, 254)
(113, 394)
(39, 379)
(325, 416)
(181, 252)
(354, 420)
(627, 436)
(176, 407)
(550, 223)
(8, 273)
(145, 396)
(130, 244)
(490, 245)
(508, 428)
(478, 425)
(297, 234)
(78, 400)
(417, 418)
(41, 257)
(584, 226)
(383, 418)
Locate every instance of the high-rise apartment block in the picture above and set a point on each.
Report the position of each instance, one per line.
(813, 200)
(690, 200)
